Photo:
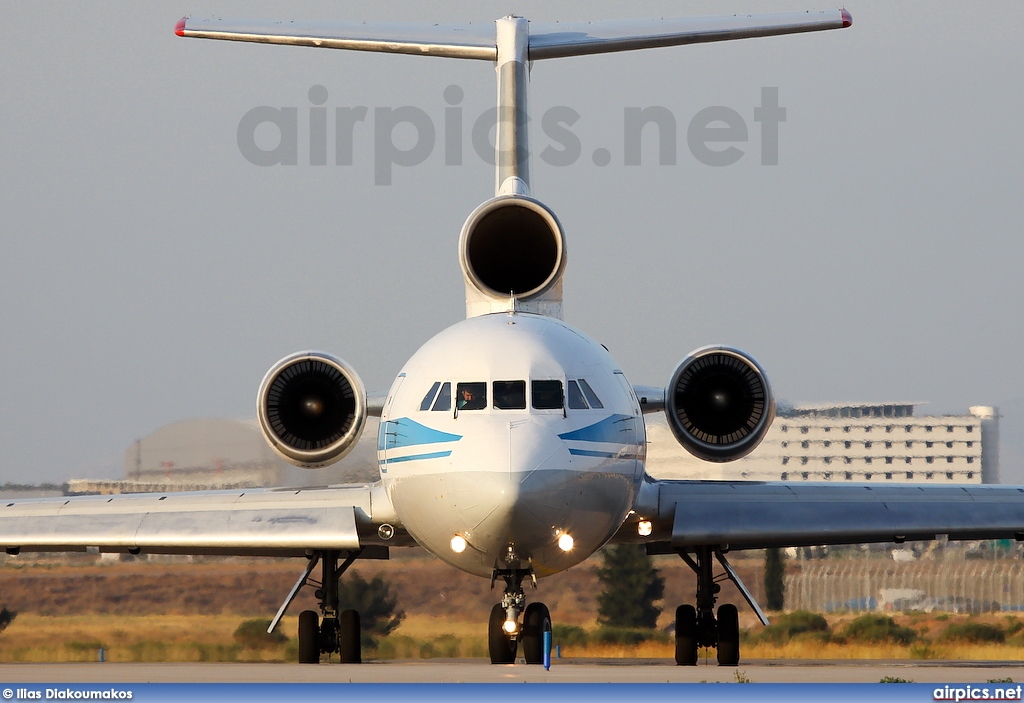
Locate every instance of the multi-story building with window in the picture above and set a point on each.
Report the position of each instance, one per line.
(873, 443)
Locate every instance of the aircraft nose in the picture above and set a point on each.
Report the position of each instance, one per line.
(522, 492)
(533, 447)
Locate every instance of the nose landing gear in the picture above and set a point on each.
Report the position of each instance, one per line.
(504, 633)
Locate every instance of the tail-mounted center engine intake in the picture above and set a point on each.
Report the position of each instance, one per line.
(311, 408)
(719, 404)
(513, 246)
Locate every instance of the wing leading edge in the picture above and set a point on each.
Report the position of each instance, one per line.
(746, 515)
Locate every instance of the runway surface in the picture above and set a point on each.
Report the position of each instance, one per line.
(479, 671)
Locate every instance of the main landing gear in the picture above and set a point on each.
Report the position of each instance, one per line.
(504, 632)
(335, 632)
(697, 626)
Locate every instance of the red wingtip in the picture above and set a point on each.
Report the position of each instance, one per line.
(847, 18)
(179, 28)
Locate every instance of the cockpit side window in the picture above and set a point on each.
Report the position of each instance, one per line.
(471, 396)
(576, 401)
(429, 397)
(444, 398)
(592, 398)
(510, 395)
(547, 395)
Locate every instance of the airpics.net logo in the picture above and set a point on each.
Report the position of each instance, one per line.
(407, 136)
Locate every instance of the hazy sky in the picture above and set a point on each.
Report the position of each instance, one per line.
(150, 273)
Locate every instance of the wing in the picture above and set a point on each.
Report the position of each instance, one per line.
(747, 514)
(478, 41)
(259, 522)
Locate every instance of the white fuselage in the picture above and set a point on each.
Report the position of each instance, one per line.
(549, 441)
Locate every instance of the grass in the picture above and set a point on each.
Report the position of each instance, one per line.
(177, 638)
(974, 632)
(886, 651)
(200, 638)
(904, 636)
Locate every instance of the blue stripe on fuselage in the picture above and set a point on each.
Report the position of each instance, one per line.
(403, 432)
(609, 430)
(604, 455)
(416, 457)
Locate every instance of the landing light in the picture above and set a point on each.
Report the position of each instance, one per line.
(565, 542)
(510, 626)
(644, 528)
(458, 544)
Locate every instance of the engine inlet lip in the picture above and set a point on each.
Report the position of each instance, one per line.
(746, 437)
(320, 453)
(489, 209)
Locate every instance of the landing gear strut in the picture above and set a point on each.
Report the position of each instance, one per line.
(334, 632)
(697, 626)
(503, 629)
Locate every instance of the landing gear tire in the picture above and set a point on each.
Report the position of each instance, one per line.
(686, 635)
(502, 648)
(328, 635)
(348, 637)
(536, 621)
(728, 635)
(309, 637)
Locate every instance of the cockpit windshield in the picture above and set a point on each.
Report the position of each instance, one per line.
(545, 394)
(510, 395)
(471, 396)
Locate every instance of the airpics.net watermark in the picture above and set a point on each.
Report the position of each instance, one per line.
(406, 136)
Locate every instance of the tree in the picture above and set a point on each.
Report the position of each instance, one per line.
(373, 601)
(774, 585)
(6, 616)
(631, 586)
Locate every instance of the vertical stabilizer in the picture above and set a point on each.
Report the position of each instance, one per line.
(512, 152)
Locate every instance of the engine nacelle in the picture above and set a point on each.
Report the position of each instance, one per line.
(513, 246)
(719, 404)
(311, 408)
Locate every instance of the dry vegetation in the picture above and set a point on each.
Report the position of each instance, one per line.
(199, 638)
(174, 611)
(131, 638)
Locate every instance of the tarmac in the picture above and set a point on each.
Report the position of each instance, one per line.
(480, 671)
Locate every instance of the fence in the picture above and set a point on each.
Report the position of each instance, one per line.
(861, 585)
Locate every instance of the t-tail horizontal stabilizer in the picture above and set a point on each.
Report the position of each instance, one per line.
(548, 40)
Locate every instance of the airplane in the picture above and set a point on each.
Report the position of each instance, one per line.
(511, 445)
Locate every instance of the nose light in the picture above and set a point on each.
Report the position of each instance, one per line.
(458, 544)
(644, 528)
(565, 542)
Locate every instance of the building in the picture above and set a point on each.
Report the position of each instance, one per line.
(214, 453)
(873, 443)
